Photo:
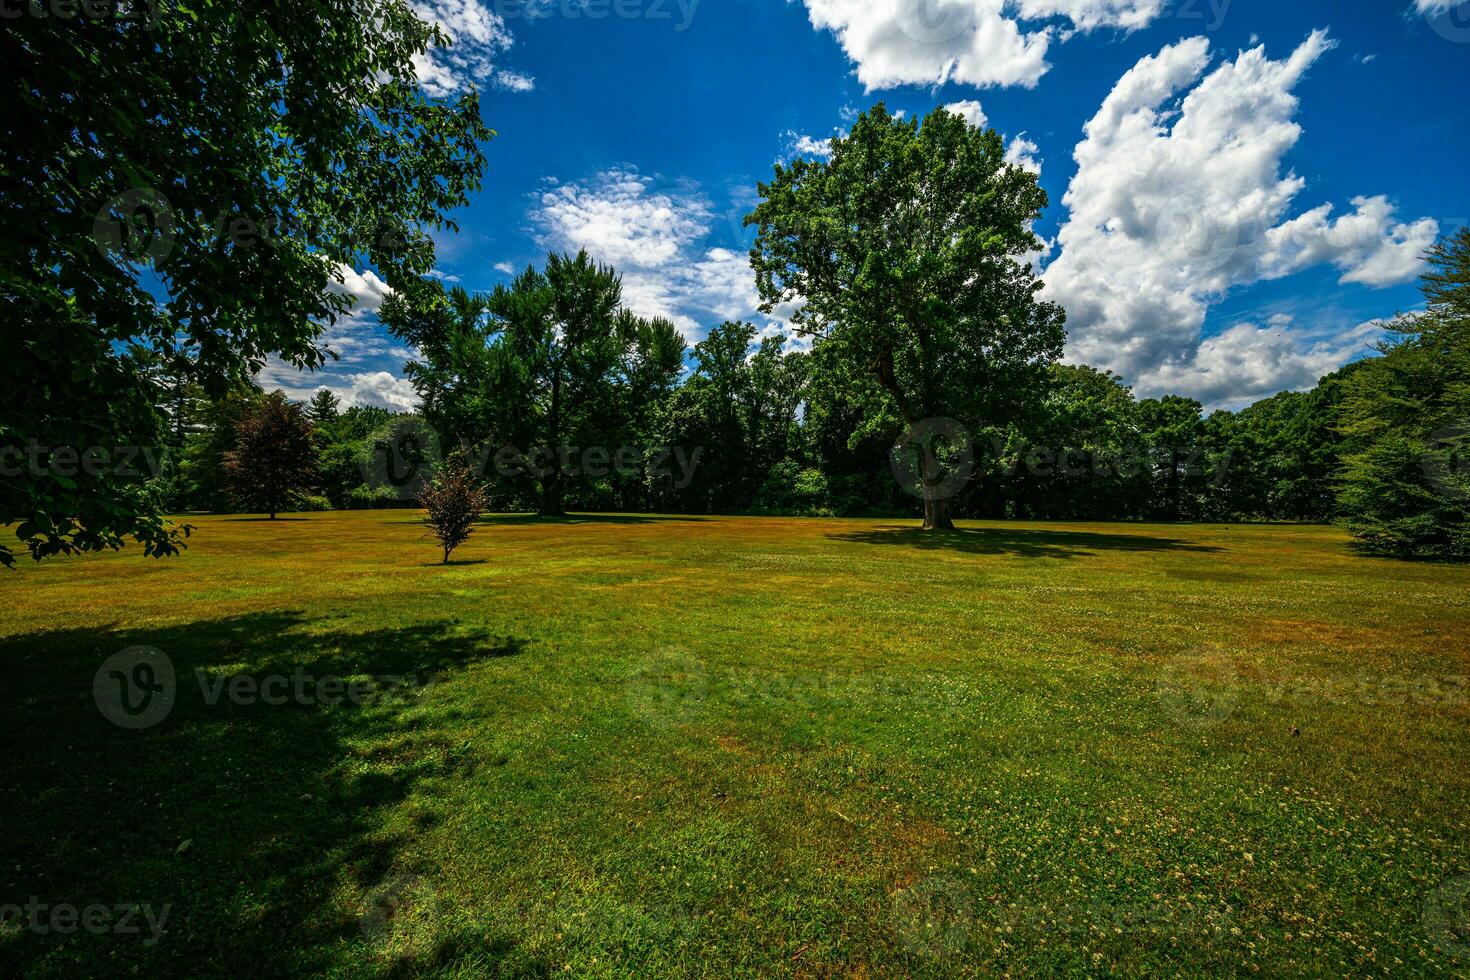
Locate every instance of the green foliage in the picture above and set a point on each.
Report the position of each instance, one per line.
(1405, 486)
(906, 252)
(274, 457)
(192, 212)
(549, 365)
(453, 502)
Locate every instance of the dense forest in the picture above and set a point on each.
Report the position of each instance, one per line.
(736, 424)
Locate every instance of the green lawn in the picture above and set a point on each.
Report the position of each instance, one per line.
(726, 746)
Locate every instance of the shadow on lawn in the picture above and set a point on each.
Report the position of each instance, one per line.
(527, 520)
(285, 805)
(1020, 542)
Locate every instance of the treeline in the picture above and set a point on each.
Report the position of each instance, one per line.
(568, 401)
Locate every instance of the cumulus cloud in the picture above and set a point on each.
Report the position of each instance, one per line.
(1247, 362)
(478, 37)
(1367, 245)
(801, 145)
(970, 111)
(973, 42)
(621, 218)
(365, 289)
(380, 389)
(658, 237)
(1177, 201)
(1021, 152)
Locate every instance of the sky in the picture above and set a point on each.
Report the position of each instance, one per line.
(1241, 191)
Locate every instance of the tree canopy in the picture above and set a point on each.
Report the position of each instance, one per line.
(905, 256)
(197, 207)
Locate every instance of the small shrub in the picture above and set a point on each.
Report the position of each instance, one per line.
(454, 502)
(371, 498)
(304, 503)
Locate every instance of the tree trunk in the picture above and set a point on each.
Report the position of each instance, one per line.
(551, 489)
(936, 515)
(936, 505)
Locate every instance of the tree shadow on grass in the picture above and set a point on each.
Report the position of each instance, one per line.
(1020, 542)
(284, 802)
(265, 520)
(529, 520)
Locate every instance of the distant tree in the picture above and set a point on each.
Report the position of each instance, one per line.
(212, 430)
(452, 375)
(186, 184)
(1087, 448)
(322, 409)
(1173, 432)
(907, 254)
(1405, 483)
(274, 455)
(454, 502)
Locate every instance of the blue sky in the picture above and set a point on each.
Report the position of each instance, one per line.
(1194, 252)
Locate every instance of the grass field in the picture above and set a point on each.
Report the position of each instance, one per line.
(726, 746)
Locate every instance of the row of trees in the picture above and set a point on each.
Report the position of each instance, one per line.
(752, 429)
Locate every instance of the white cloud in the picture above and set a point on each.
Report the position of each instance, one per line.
(621, 219)
(1088, 15)
(478, 37)
(507, 268)
(1177, 201)
(365, 289)
(801, 145)
(970, 111)
(1367, 245)
(1021, 152)
(973, 42)
(1247, 362)
(1431, 8)
(381, 389)
(657, 238)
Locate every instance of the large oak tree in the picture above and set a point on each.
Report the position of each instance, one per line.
(905, 255)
